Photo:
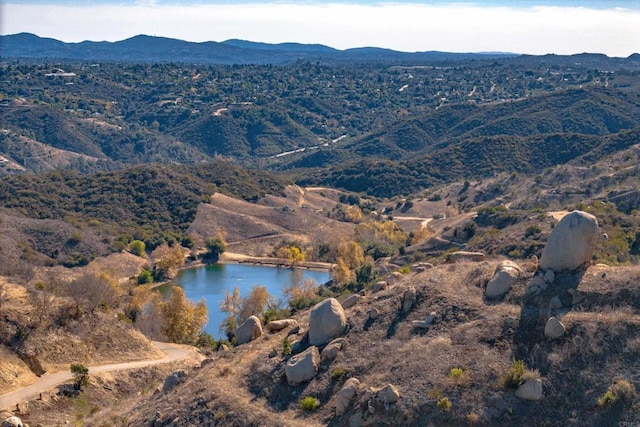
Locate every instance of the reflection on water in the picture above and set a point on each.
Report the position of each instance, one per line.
(209, 283)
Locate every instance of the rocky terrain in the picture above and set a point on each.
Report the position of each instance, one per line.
(462, 340)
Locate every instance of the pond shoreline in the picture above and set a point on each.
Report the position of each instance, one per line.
(236, 258)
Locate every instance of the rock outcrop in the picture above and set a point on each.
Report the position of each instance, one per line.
(388, 394)
(571, 244)
(278, 325)
(326, 322)
(12, 422)
(530, 390)
(554, 328)
(424, 324)
(173, 380)
(408, 299)
(505, 276)
(345, 395)
(332, 349)
(302, 367)
(249, 330)
(379, 286)
(465, 256)
(351, 301)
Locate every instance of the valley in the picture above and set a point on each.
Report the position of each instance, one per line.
(420, 182)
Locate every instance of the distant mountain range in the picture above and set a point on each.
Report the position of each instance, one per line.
(160, 49)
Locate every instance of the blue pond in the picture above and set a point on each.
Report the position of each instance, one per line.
(209, 283)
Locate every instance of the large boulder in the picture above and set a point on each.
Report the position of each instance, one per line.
(554, 328)
(12, 422)
(173, 380)
(351, 301)
(346, 393)
(465, 256)
(408, 299)
(332, 349)
(571, 244)
(326, 322)
(249, 330)
(302, 367)
(530, 390)
(504, 278)
(278, 325)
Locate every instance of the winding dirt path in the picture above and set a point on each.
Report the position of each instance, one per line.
(173, 352)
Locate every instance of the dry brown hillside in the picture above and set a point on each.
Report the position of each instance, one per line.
(482, 338)
(42, 330)
(256, 228)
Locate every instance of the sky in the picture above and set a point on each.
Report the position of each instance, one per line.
(525, 26)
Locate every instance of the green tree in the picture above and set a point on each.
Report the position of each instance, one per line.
(215, 247)
(137, 247)
(80, 375)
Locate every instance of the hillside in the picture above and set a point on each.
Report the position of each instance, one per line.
(69, 218)
(246, 386)
(258, 229)
(313, 118)
(503, 216)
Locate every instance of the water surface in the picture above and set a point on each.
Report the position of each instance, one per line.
(211, 281)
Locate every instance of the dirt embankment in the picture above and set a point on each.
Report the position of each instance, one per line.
(231, 257)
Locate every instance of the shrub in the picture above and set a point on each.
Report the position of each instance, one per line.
(436, 394)
(145, 277)
(215, 247)
(532, 230)
(137, 247)
(607, 398)
(286, 346)
(444, 404)
(624, 390)
(205, 340)
(338, 373)
(514, 376)
(472, 418)
(456, 374)
(619, 391)
(309, 404)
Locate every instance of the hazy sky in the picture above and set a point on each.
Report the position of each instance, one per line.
(529, 26)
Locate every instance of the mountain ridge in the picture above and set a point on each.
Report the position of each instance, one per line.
(233, 51)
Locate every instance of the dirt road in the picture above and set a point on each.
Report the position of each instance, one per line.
(47, 381)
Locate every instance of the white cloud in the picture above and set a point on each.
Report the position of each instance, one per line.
(408, 27)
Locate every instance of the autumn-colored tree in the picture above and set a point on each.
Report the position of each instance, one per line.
(292, 253)
(351, 253)
(254, 304)
(353, 214)
(184, 319)
(93, 289)
(302, 294)
(231, 304)
(167, 259)
(341, 272)
(240, 309)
